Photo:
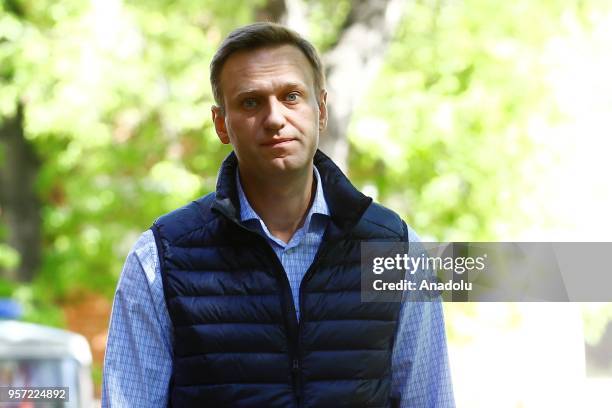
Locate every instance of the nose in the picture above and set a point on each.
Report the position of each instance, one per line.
(275, 118)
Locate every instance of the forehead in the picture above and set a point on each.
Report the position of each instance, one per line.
(264, 67)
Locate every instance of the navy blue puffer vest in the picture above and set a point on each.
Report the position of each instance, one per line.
(237, 342)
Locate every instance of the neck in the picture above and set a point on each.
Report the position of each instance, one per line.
(281, 203)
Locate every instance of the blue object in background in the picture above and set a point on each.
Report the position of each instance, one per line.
(10, 309)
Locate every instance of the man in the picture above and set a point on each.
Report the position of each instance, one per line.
(250, 296)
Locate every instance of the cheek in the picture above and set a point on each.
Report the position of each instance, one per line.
(306, 121)
(240, 129)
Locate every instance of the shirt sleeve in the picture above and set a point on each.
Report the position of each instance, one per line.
(138, 358)
(420, 367)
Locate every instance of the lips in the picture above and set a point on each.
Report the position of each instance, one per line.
(278, 142)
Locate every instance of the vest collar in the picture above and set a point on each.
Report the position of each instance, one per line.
(346, 203)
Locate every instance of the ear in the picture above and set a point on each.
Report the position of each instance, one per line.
(218, 117)
(322, 110)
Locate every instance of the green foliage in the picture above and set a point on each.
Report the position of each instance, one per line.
(445, 126)
(326, 19)
(9, 258)
(117, 106)
(6, 288)
(38, 304)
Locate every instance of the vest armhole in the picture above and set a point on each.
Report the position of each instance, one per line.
(160, 258)
(395, 399)
(405, 234)
(160, 251)
(406, 239)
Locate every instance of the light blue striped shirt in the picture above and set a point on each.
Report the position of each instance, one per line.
(297, 254)
(138, 359)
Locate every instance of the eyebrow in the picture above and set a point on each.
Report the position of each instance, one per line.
(287, 85)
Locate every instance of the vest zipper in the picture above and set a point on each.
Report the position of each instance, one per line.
(296, 362)
(295, 327)
(290, 314)
(323, 248)
(297, 379)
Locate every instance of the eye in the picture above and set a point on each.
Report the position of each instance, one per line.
(249, 103)
(292, 97)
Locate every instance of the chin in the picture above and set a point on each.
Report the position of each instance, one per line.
(289, 163)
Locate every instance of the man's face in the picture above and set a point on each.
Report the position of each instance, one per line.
(272, 116)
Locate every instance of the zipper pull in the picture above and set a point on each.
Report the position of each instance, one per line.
(296, 380)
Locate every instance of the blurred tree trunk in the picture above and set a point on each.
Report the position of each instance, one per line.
(350, 64)
(272, 10)
(19, 204)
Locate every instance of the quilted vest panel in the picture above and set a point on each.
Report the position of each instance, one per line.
(237, 342)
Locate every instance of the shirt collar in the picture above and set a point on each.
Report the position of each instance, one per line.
(346, 204)
(319, 205)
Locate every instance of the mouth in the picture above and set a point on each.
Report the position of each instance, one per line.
(278, 142)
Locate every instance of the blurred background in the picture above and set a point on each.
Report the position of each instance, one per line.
(476, 120)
